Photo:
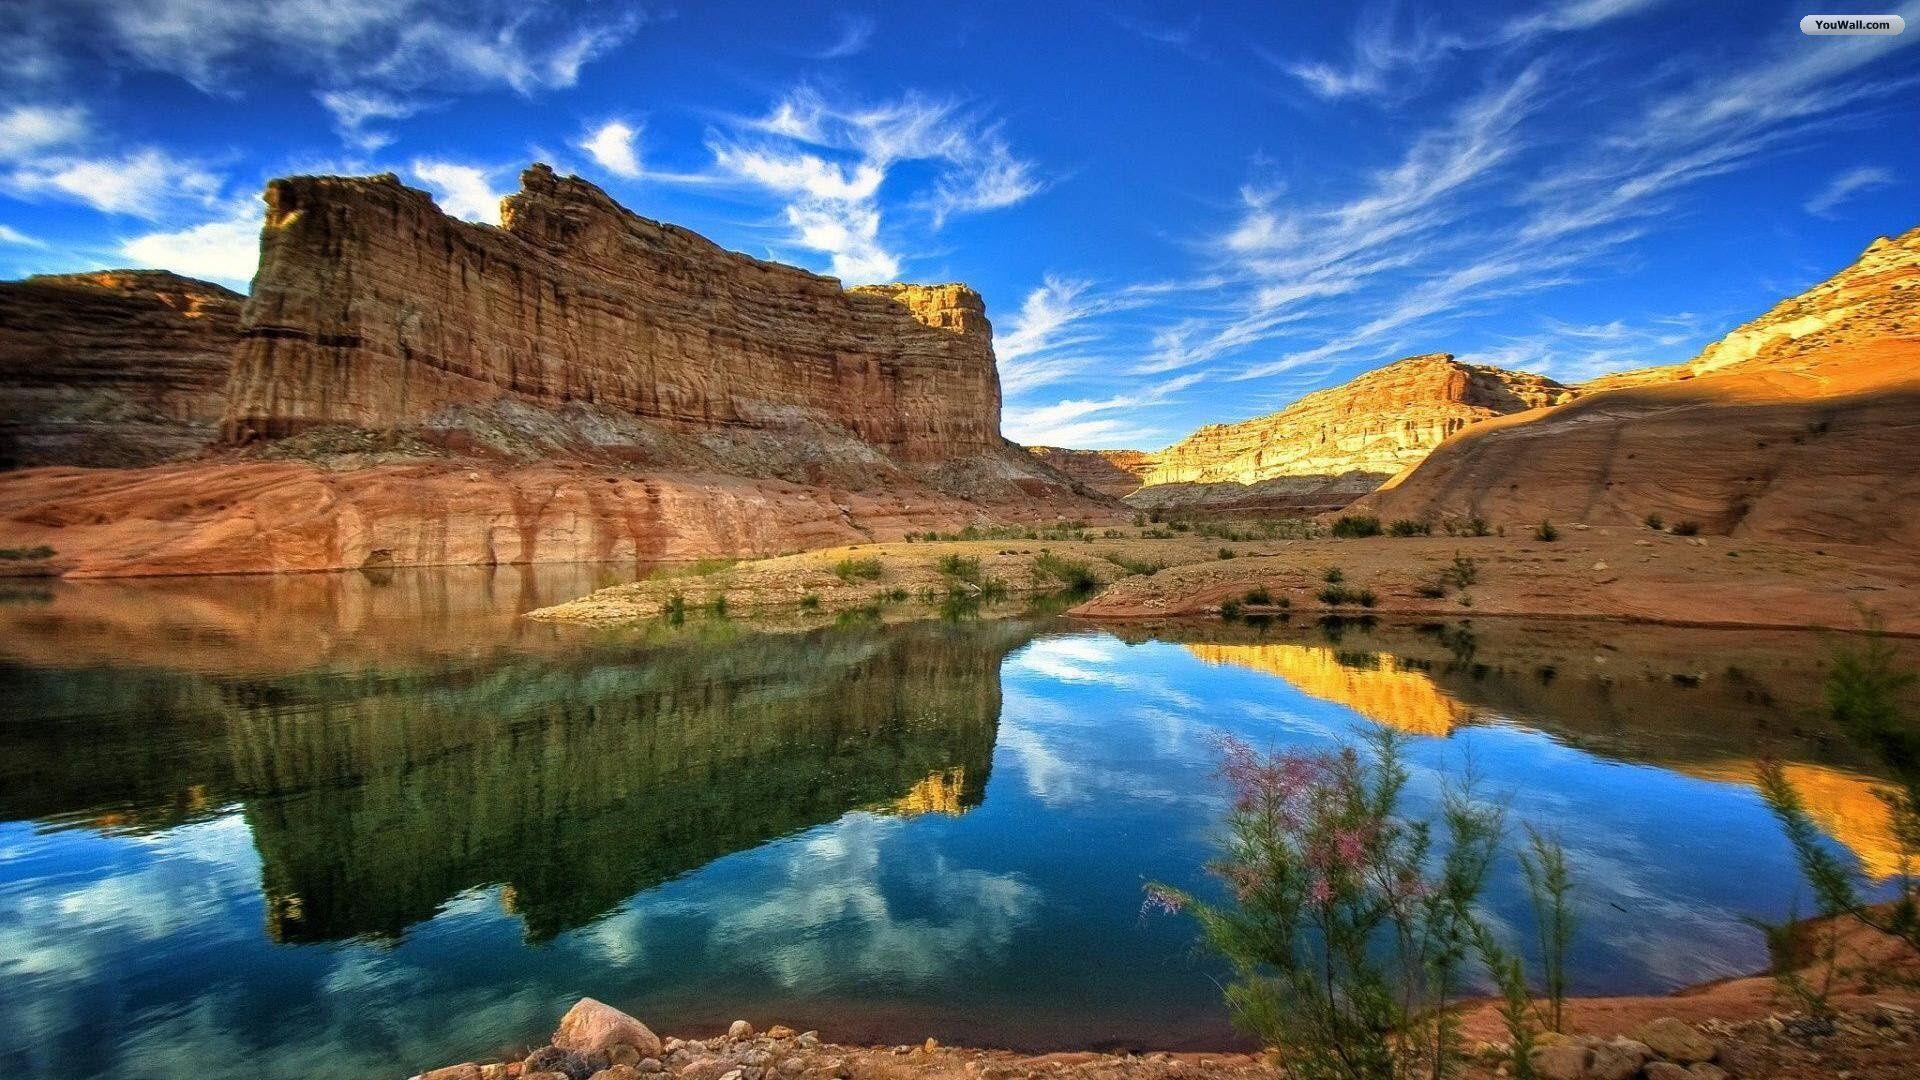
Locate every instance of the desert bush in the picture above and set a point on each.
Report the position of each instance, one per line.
(1258, 595)
(1686, 528)
(1477, 526)
(717, 606)
(1545, 532)
(1349, 927)
(851, 570)
(1656, 522)
(1136, 566)
(1229, 609)
(960, 567)
(1333, 576)
(1411, 527)
(1365, 597)
(675, 609)
(1354, 525)
(1074, 575)
(1432, 590)
(1226, 553)
(1337, 595)
(40, 551)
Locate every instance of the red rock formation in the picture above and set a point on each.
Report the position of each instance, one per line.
(115, 367)
(374, 309)
(1110, 472)
(1802, 425)
(1379, 423)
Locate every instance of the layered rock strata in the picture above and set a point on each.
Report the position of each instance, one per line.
(1803, 426)
(115, 367)
(373, 309)
(1111, 472)
(1378, 423)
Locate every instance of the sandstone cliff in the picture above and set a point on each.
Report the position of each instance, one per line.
(1802, 425)
(115, 367)
(1335, 445)
(579, 384)
(373, 309)
(1110, 472)
(1378, 423)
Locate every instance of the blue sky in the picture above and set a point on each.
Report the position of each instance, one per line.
(1178, 215)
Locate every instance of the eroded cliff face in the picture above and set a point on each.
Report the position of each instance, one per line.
(1378, 423)
(114, 367)
(1803, 425)
(374, 309)
(1111, 472)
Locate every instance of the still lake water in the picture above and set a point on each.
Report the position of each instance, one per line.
(351, 826)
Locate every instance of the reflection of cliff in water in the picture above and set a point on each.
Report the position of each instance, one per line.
(574, 781)
(1638, 693)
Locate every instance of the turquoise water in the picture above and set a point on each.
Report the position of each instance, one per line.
(351, 826)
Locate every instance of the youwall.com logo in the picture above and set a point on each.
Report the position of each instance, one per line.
(1875, 25)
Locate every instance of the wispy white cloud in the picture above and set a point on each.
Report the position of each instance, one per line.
(1052, 336)
(1845, 185)
(142, 183)
(366, 61)
(612, 145)
(1118, 420)
(831, 162)
(225, 249)
(1576, 352)
(14, 237)
(465, 191)
(856, 31)
(1393, 53)
(26, 130)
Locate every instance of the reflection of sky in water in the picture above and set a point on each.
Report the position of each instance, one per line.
(1015, 922)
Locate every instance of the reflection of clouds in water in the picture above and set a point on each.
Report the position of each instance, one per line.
(1097, 660)
(833, 913)
(59, 946)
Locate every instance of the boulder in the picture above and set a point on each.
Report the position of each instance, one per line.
(1617, 1060)
(1676, 1040)
(739, 1029)
(465, 1071)
(593, 1025)
(574, 1064)
(617, 1072)
(1561, 1061)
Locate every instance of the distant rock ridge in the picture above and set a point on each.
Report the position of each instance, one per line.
(373, 308)
(1801, 425)
(112, 367)
(1111, 472)
(1380, 422)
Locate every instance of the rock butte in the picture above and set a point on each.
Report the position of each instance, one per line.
(1802, 426)
(118, 367)
(579, 384)
(1323, 451)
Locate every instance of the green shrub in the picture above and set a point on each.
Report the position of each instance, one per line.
(1349, 927)
(1686, 528)
(960, 567)
(1074, 575)
(1333, 576)
(1477, 526)
(1546, 532)
(1136, 566)
(675, 609)
(809, 602)
(1226, 553)
(1230, 609)
(1365, 597)
(851, 570)
(1259, 596)
(1411, 527)
(717, 606)
(1432, 590)
(1354, 525)
(1655, 522)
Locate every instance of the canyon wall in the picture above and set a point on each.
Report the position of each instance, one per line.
(114, 367)
(1110, 472)
(1377, 423)
(1803, 425)
(373, 309)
